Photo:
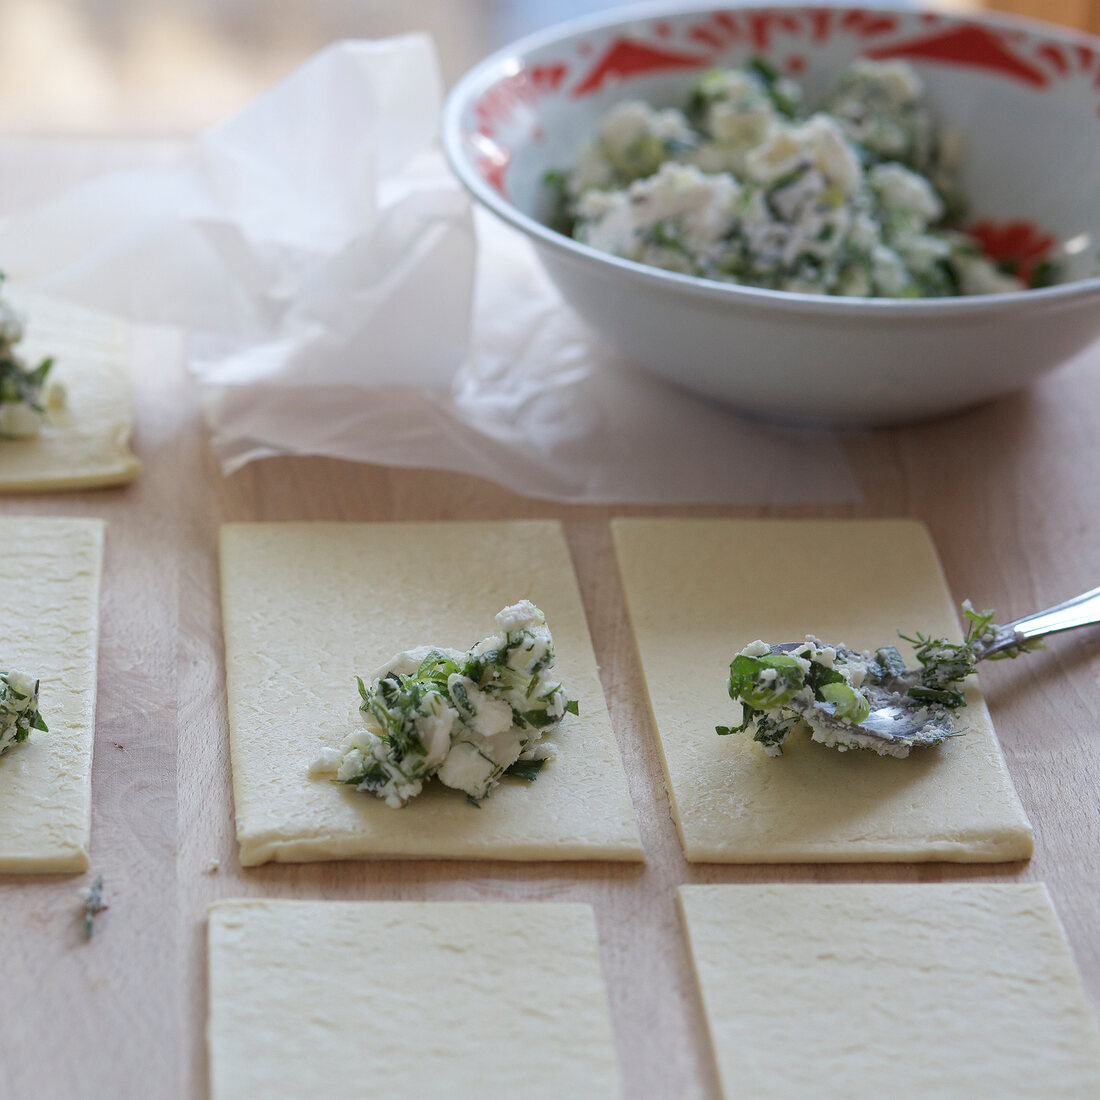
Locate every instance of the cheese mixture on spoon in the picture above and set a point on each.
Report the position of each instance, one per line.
(832, 691)
(746, 186)
(467, 718)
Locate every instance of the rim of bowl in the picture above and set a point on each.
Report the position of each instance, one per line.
(509, 59)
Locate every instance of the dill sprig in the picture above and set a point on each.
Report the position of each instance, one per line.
(93, 905)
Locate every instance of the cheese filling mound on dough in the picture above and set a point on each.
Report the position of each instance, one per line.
(468, 718)
(24, 392)
(18, 709)
(859, 198)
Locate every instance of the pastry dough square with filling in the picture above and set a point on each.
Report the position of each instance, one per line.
(951, 990)
(85, 443)
(49, 627)
(407, 999)
(698, 591)
(308, 606)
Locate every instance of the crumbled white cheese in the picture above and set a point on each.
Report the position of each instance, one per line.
(635, 223)
(896, 82)
(738, 127)
(979, 276)
(466, 769)
(633, 141)
(890, 272)
(900, 189)
(634, 120)
(819, 143)
(327, 760)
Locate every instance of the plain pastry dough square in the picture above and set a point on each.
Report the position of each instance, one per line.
(85, 444)
(698, 591)
(49, 626)
(308, 606)
(407, 999)
(946, 990)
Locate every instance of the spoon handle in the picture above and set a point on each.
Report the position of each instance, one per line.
(1083, 610)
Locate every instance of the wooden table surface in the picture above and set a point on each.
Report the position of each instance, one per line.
(1009, 491)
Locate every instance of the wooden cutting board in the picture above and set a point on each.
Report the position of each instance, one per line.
(1009, 492)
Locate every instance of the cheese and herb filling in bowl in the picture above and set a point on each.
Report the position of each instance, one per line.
(746, 185)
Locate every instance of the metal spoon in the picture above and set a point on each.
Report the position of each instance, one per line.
(898, 723)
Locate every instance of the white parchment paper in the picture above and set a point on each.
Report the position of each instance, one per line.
(338, 301)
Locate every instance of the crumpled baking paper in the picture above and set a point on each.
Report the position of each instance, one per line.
(321, 258)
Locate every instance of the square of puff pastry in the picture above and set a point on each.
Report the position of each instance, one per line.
(698, 591)
(49, 628)
(415, 999)
(952, 990)
(308, 606)
(85, 441)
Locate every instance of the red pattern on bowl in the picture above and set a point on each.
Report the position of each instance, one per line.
(1021, 245)
(1026, 99)
(651, 47)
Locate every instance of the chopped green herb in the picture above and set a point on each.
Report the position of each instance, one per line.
(558, 182)
(764, 69)
(665, 234)
(561, 216)
(93, 905)
(526, 769)
(784, 94)
(1044, 274)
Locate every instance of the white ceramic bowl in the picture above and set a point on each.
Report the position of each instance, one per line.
(1025, 96)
